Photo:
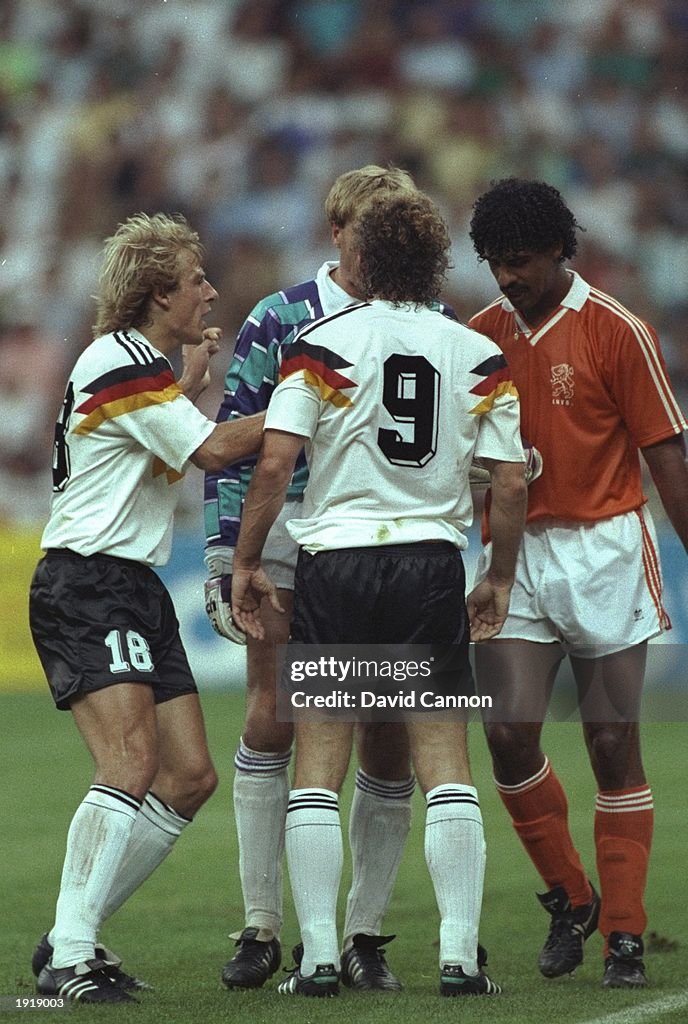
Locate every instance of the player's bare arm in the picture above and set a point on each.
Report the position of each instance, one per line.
(265, 497)
(266, 493)
(669, 469)
(230, 442)
(488, 603)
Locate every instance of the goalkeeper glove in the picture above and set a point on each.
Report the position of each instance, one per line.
(533, 461)
(218, 594)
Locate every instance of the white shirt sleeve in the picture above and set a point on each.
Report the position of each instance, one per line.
(294, 407)
(499, 433)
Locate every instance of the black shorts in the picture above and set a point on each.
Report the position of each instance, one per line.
(99, 620)
(395, 594)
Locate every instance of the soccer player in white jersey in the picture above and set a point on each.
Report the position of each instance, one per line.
(380, 815)
(393, 401)
(102, 621)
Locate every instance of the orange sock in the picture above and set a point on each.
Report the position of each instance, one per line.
(623, 836)
(539, 813)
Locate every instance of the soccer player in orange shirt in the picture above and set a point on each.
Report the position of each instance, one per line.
(594, 391)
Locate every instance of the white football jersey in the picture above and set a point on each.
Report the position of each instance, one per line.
(395, 402)
(122, 440)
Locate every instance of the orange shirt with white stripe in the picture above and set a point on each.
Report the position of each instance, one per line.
(594, 389)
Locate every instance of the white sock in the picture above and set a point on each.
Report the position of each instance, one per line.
(261, 794)
(379, 824)
(96, 843)
(315, 856)
(455, 855)
(156, 830)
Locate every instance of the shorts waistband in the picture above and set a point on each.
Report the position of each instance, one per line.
(421, 547)
(96, 556)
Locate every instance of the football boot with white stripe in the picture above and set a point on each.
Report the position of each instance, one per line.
(254, 962)
(322, 983)
(570, 927)
(364, 966)
(86, 982)
(44, 950)
(455, 982)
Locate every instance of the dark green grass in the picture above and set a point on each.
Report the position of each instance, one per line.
(174, 930)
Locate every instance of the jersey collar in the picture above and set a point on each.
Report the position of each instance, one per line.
(332, 297)
(578, 293)
(575, 298)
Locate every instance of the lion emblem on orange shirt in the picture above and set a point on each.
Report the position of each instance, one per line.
(562, 384)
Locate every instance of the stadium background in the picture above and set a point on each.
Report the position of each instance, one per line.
(240, 114)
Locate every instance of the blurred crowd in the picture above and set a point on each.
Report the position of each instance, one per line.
(240, 113)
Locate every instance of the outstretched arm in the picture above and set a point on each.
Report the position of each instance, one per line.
(230, 442)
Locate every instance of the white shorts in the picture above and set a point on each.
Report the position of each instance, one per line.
(594, 587)
(281, 550)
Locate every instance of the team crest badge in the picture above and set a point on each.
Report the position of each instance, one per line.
(562, 384)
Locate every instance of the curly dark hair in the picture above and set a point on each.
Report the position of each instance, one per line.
(403, 245)
(516, 215)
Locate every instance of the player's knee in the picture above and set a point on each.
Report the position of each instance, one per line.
(261, 731)
(206, 785)
(267, 736)
(614, 754)
(134, 772)
(510, 745)
(190, 789)
(383, 750)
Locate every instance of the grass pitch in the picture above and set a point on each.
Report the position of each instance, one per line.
(173, 932)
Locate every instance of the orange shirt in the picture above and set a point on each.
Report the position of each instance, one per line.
(593, 388)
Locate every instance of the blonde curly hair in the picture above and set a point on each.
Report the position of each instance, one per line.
(145, 253)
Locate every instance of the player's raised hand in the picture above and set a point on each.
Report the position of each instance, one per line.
(195, 376)
(249, 587)
(212, 336)
(487, 605)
